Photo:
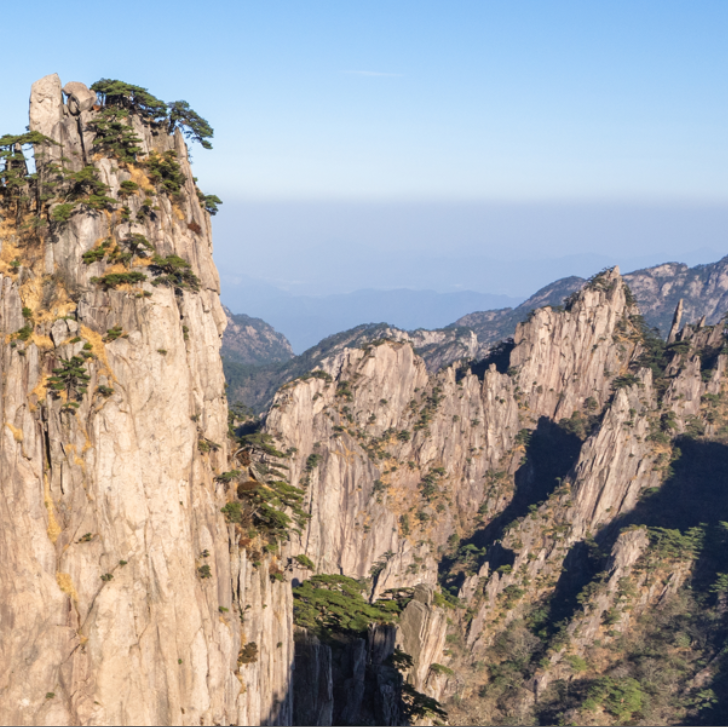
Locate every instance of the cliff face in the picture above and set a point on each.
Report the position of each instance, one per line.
(539, 485)
(401, 454)
(122, 600)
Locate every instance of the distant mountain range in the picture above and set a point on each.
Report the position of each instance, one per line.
(258, 360)
(306, 319)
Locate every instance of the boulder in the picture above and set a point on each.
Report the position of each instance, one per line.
(80, 97)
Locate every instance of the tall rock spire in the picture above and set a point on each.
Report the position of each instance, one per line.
(675, 327)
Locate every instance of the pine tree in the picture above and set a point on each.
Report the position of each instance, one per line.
(70, 377)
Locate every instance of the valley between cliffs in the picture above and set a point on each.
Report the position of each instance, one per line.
(533, 537)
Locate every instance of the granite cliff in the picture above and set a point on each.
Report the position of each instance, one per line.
(124, 594)
(545, 498)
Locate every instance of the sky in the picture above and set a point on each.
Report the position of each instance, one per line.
(408, 131)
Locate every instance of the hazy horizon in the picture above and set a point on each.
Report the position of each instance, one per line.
(325, 248)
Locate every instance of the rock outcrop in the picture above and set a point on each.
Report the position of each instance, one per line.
(125, 601)
(515, 522)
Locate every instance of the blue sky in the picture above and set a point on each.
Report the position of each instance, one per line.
(575, 104)
(458, 100)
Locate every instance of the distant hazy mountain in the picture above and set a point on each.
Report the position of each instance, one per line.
(306, 320)
(703, 289)
(254, 375)
(253, 342)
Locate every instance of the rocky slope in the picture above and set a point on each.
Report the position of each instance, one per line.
(252, 342)
(126, 599)
(703, 288)
(540, 488)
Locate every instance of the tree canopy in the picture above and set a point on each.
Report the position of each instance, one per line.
(192, 125)
(177, 115)
(118, 93)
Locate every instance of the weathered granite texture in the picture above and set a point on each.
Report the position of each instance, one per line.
(122, 591)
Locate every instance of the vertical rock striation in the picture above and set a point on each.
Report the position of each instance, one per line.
(121, 600)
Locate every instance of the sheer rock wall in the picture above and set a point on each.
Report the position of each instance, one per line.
(110, 512)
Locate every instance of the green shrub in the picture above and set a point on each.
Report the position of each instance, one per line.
(233, 512)
(98, 201)
(622, 382)
(62, 212)
(248, 654)
(174, 271)
(114, 280)
(25, 332)
(622, 698)
(227, 477)
(127, 188)
(205, 445)
(334, 603)
(669, 544)
(721, 584)
(210, 202)
(191, 124)
(94, 255)
(577, 663)
(445, 599)
(70, 377)
(305, 562)
(312, 461)
(118, 94)
(165, 171)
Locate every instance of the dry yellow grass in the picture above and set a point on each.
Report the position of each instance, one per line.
(54, 529)
(17, 433)
(98, 348)
(66, 585)
(43, 342)
(41, 388)
(138, 176)
(10, 251)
